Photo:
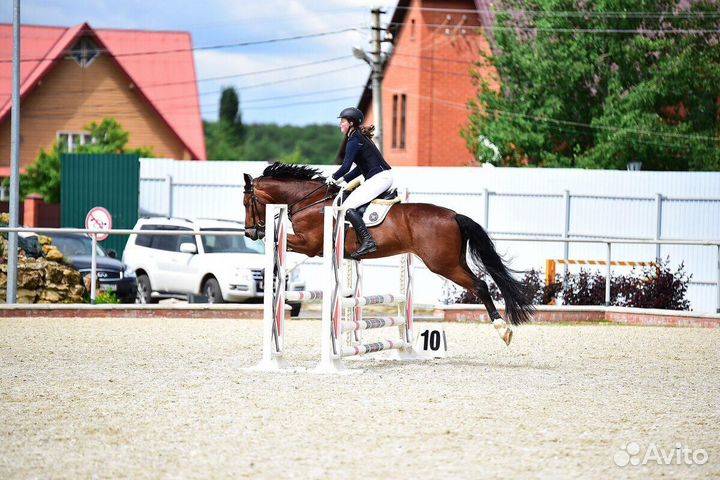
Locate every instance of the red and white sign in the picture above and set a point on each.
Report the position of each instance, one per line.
(99, 218)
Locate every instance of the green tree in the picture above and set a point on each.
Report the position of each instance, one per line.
(230, 139)
(44, 176)
(584, 85)
(316, 144)
(230, 106)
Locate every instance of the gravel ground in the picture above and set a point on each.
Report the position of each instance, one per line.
(170, 398)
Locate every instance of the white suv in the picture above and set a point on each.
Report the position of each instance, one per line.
(222, 268)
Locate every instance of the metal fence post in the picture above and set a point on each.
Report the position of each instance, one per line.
(608, 274)
(93, 269)
(717, 285)
(14, 207)
(486, 208)
(658, 223)
(566, 231)
(169, 194)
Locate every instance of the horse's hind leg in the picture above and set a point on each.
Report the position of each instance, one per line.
(463, 276)
(500, 325)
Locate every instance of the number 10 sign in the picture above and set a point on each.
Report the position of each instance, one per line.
(431, 342)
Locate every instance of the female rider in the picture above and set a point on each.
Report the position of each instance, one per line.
(358, 148)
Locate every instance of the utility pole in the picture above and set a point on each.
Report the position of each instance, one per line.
(377, 76)
(11, 290)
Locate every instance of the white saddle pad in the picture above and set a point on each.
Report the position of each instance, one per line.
(377, 211)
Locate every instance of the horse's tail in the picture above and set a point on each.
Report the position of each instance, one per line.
(518, 304)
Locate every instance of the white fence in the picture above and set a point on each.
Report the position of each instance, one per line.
(551, 203)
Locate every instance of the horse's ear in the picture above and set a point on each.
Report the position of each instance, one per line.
(248, 179)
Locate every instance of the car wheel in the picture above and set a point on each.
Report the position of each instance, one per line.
(212, 291)
(295, 309)
(144, 290)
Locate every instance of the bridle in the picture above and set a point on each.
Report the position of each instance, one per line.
(258, 222)
(255, 202)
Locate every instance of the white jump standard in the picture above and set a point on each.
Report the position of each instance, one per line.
(342, 307)
(335, 302)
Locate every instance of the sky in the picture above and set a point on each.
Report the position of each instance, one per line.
(328, 87)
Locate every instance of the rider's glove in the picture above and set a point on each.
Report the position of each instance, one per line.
(331, 181)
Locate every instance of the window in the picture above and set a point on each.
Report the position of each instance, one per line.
(170, 243)
(394, 121)
(403, 110)
(230, 244)
(190, 238)
(69, 141)
(84, 52)
(146, 240)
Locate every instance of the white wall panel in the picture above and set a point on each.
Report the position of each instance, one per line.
(521, 200)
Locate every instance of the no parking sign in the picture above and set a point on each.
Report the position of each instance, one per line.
(99, 218)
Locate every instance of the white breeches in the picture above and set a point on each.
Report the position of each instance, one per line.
(369, 190)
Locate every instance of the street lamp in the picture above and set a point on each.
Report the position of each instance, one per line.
(360, 54)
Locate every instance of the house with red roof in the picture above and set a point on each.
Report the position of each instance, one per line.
(73, 76)
(427, 80)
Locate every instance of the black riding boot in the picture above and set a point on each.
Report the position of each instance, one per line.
(367, 244)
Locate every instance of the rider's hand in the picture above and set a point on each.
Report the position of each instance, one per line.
(331, 181)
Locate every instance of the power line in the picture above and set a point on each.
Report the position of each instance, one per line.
(567, 122)
(348, 97)
(316, 92)
(280, 18)
(570, 13)
(285, 80)
(191, 108)
(639, 30)
(209, 47)
(268, 70)
(163, 84)
(215, 92)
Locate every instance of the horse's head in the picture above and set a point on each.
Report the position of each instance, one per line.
(254, 210)
(279, 183)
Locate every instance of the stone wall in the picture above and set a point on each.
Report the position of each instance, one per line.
(45, 279)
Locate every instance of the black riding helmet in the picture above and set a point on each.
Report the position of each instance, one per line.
(353, 114)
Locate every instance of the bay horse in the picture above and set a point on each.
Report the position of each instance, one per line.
(438, 235)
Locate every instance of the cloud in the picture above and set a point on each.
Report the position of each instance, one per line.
(219, 22)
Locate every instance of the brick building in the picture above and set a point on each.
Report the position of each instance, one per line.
(427, 82)
(73, 76)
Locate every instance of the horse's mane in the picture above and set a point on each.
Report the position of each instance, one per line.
(297, 172)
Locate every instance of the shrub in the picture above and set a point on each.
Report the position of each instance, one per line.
(104, 297)
(655, 286)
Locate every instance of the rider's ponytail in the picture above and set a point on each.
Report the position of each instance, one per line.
(367, 130)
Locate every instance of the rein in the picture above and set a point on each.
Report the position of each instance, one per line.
(322, 200)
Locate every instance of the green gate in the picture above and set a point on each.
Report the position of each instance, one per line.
(109, 181)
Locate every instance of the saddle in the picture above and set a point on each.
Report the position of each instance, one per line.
(375, 212)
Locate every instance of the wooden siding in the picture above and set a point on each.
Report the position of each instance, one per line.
(69, 97)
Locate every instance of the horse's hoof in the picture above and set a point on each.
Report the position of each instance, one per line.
(503, 330)
(507, 338)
